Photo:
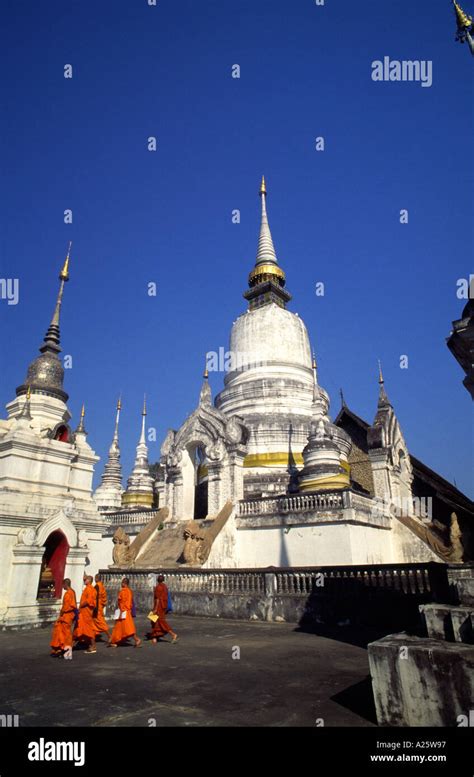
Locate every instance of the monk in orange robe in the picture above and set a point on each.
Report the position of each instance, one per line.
(99, 620)
(124, 625)
(86, 630)
(62, 630)
(160, 608)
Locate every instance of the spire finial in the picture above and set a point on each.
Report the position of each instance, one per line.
(52, 337)
(28, 393)
(462, 18)
(80, 427)
(383, 399)
(314, 361)
(381, 380)
(117, 419)
(266, 250)
(205, 374)
(343, 401)
(144, 405)
(64, 274)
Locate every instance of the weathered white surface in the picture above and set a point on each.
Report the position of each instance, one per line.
(421, 682)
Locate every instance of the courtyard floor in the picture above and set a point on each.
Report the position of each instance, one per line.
(284, 677)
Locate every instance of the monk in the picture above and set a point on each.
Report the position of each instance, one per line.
(62, 631)
(86, 630)
(99, 620)
(124, 626)
(160, 608)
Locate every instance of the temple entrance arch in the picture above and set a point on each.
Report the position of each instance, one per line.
(195, 481)
(53, 565)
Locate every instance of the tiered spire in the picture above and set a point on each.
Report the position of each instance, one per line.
(140, 483)
(109, 493)
(266, 250)
(267, 279)
(52, 336)
(46, 373)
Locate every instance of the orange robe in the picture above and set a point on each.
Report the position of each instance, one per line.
(161, 627)
(86, 630)
(62, 630)
(99, 621)
(124, 627)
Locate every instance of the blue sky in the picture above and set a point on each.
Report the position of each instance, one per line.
(165, 216)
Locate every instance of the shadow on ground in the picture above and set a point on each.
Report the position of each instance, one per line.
(358, 698)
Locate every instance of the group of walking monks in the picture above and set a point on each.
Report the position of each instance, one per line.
(84, 625)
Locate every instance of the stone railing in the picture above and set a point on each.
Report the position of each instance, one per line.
(416, 579)
(135, 519)
(298, 503)
(386, 594)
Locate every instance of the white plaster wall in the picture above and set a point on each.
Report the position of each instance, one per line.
(8, 538)
(323, 545)
(407, 547)
(302, 546)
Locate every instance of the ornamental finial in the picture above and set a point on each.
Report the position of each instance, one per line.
(381, 380)
(465, 27)
(64, 274)
(263, 188)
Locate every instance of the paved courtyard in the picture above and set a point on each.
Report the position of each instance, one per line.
(284, 677)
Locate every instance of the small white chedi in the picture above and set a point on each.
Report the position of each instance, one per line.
(49, 524)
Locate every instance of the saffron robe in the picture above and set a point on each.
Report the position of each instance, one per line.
(62, 631)
(86, 629)
(161, 627)
(125, 627)
(99, 621)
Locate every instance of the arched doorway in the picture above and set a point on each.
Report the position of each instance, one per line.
(200, 484)
(53, 565)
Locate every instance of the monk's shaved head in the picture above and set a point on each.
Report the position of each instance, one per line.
(98, 577)
(125, 581)
(67, 581)
(88, 579)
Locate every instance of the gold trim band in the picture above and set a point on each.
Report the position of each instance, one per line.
(272, 459)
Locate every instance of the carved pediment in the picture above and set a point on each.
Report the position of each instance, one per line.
(208, 427)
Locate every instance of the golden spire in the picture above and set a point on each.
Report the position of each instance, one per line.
(52, 339)
(314, 361)
(381, 380)
(206, 371)
(64, 274)
(28, 393)
(263, 188)
(119, 403)
(462, 19)
(80, 427)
